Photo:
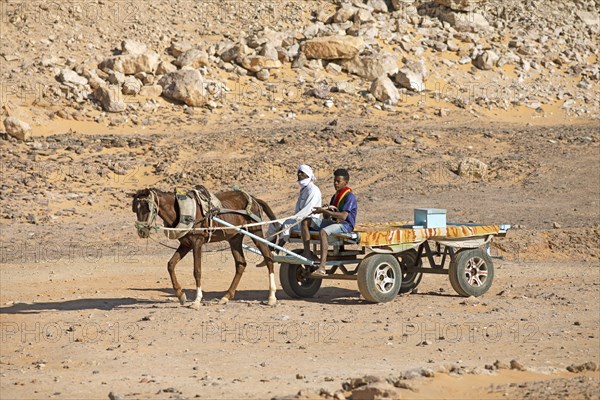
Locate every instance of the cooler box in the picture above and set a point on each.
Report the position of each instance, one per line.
(430, 217)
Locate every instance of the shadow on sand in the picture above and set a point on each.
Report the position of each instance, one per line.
(327, 295)
(72, 305)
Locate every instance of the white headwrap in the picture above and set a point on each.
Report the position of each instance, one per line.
(309, 172)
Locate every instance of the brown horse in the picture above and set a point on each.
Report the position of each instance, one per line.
(150, 203)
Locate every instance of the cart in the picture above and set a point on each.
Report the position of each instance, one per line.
(387, 259)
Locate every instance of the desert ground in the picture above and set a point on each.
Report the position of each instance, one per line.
(101, 99)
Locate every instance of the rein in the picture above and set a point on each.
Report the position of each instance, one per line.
(153, 202)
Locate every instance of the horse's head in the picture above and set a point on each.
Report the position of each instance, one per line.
(145, 207)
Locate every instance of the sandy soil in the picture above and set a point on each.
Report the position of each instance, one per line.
(82, 329)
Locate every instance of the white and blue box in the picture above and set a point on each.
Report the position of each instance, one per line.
(430, 217)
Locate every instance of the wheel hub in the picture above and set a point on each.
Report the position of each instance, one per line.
(384, 278)
(476, 271)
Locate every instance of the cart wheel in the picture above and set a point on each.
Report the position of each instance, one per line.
(410, 280)
(293, 281)
(471, 272)
(379, 278)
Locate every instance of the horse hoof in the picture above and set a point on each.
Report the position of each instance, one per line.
(196, 305)
(272, 302)
(182, 299)
(224, 301)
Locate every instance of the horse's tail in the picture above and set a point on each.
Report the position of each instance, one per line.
(263, 204)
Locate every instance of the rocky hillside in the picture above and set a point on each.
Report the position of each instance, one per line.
(125, 63)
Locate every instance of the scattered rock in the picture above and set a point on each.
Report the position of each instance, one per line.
(186, 86)
(263, 75)
(486, 60)
(471, 301)
(131, 64)
(501, 365)
(165, 67)
(257, 63)
(69, 76)
(377, 390)
(588, 366)
(514, 364)
(116, 396)
(465, 22)
(110, 98)
(151, 91)
(412, 75)
(333, 47)
(133, 47)
(472, 168)
(193, 58)
(460, 5)
(131, 86)
(372, 67)
(384, 90)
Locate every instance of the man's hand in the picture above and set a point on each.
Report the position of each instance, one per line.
(319, 210)
(328, 213)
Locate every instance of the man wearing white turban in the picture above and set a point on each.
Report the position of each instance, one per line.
(309, 198)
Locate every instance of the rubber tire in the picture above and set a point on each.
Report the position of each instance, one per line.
(410, 280)
(457, 275)
(366, 278)
(289, 281)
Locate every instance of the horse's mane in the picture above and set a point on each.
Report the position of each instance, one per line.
(146, 193)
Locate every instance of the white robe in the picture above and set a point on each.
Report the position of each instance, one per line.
(309, 198)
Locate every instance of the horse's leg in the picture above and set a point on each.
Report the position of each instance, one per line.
(266, 253)
(179, 254)
(240, 265)
(197, 273)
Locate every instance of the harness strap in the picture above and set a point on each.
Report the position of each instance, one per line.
(245, 212)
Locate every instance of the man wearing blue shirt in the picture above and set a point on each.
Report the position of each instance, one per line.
(340, 219)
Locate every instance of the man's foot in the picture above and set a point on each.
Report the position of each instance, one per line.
(321, 271)
(263, 263)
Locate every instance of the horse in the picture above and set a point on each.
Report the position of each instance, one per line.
(150, 203)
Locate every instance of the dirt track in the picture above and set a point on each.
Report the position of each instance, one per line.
(82, 329)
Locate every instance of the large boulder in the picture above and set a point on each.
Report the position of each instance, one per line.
(412, 76)
(131, 64)
(384, 90)
(464, 22)
(333, 47)
(186, 86)
(17, 128)
(372, 67)
(110, 98)
(460, 5)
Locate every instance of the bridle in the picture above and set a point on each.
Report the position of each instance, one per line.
(153, 207)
